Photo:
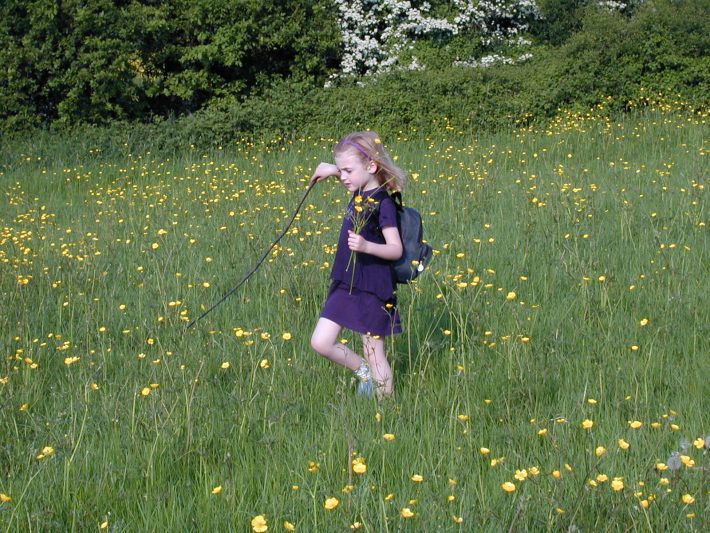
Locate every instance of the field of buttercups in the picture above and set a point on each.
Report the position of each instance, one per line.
(553, 372)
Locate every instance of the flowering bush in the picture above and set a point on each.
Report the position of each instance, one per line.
(376, 33)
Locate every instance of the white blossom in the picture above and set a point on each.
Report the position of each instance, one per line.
(376, 33)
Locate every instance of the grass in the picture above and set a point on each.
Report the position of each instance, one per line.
(564, 317)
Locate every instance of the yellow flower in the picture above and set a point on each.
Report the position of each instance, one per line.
(389, 437)
(103, 525)
(635, 424)
(258, 524)
(359, 466)
(661, 467)
(602, 478)
(313, 467)
(331, 503)
(46, 452)
(4, 498)
(556, 474)
(217, 489)
(225, 365)
(510, 296)
(71, 360)
(542, 432)
(521, 475)
(406, 512)
(286, 336)
(508, 486)
(264, 363)
(587, 424)
(623, 444)
(617, 484)
(688, 499)
(644, 322)
(600, 451)
(145, 391)
(288, 526)
(484, 451)
(417, 478)
(699, 443)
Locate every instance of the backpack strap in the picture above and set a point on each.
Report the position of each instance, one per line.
(397, 199)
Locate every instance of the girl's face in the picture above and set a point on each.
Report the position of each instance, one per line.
(356, 174)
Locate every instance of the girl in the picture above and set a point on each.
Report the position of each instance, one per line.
(362, 292)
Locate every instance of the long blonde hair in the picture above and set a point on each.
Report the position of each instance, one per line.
(369, 147)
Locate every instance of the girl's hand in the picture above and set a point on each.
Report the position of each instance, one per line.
(323, 171)
(356, 242)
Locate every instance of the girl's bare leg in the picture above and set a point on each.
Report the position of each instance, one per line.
(374, 348)
(325, 341)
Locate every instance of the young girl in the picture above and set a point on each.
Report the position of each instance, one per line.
(362, 292)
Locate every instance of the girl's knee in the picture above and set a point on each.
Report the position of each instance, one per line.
(319, 344)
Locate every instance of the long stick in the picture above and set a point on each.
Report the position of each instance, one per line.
(258, 263)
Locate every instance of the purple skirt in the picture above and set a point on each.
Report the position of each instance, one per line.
(361, 311)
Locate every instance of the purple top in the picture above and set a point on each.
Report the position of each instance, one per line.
(368, 273)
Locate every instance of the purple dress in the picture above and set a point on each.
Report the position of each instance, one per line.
(362, 294)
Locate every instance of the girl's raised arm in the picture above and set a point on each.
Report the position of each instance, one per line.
(323, 171)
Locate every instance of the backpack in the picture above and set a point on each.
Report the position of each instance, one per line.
(415, 254)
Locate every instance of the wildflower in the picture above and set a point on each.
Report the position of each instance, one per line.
(264, 363)
(145, 391)
(510, 296)
(359, 466)
(103, 525)
(46, 452)
(406, 512)
(556, 474)
(542, 432)
(688, 499)
(521, 475)
(417, 478)
(258, 524)
(617, 484)
(288, 526)
(484, 451)
(600, 451)
(635, 424)
(286, 336)
(687, 461)
(313, 467)
(623, 444)
(644, 322)
(699, 443)
(71, 360)
(661, 467)
(331, 503)
(389, 437)
(508, 486)
(225, 365)
(4, 498)
(217, 489)
(602, 478)
(587, 424)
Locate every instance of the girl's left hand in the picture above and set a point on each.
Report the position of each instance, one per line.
(356, 242)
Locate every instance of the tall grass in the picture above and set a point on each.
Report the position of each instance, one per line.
(553, 372)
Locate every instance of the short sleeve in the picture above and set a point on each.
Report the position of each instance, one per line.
(388, 213)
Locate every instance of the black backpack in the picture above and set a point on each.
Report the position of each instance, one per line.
(416, 254)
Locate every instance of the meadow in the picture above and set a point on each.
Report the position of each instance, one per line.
(553, 373)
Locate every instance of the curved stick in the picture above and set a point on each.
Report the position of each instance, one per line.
(258, 263)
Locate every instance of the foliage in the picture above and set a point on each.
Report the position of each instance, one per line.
(213, 71)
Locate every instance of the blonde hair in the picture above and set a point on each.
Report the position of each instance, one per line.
(369, 147)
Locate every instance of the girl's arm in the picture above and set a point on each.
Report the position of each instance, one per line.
(323, 171)
(391, 250)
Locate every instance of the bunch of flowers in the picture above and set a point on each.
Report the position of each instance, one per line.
(359, 213)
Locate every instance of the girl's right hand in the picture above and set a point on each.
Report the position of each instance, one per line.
(323, 171)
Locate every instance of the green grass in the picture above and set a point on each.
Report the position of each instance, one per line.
(596, 225)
